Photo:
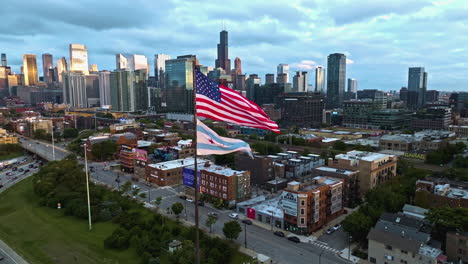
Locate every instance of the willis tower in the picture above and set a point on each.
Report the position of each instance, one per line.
(223, 60)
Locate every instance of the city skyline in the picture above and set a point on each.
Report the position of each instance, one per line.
(302, 35)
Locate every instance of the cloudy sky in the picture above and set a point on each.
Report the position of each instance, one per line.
(381, 38)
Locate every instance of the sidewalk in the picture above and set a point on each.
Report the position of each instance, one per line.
(344, 255)
(9, 253)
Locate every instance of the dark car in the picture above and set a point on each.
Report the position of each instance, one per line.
(247, 221)
(2, 258)
(279, 233)
(31, 165)
(294, 239)
(21, 169)
(14, 168)
(201, 203)
(183, 197)
(1, 186)
(26, 171)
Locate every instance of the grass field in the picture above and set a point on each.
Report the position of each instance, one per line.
(44, 235)
(11, 155)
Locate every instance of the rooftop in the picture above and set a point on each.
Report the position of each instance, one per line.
(270, 207)
(226, 171)
(429, 251)
(179, 163)
(144, 143)
(328, 169)
(451, 192)
(362, 155)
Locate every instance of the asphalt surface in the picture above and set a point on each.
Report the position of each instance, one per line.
(259, 239)
(9, 255)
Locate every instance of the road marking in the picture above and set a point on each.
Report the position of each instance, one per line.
(9, 256)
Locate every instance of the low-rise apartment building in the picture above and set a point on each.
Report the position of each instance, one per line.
(374, 168)
(440, 193)
(457, 247)
(350, 182)
(397, 238)
(426, 140)
(170, 172)
(6, 138)
(309, 206)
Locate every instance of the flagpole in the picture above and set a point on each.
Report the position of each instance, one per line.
(195, 181)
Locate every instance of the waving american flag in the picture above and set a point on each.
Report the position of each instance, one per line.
(221, 103)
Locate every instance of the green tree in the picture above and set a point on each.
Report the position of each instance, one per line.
(447, 219)
(70, 133)
(183, 255)
(357, 225)
(232, 229)
(220, 131)
(339, 145)
(210, 221)
(126, 187)
(265, 148)
(104, 150)
(226, 159)
(177, 208)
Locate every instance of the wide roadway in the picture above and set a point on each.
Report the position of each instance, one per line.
(259, 239)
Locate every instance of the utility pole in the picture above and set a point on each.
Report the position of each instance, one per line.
(53, 143)
(245, 235)
(87, 187)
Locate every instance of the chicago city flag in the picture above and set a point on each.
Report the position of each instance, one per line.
(208, 142)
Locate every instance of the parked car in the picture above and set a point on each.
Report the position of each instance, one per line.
(31, 165)
(279, 233)
(234, 216)
(135, 187)
(330, 231)
(215, 215)
(247, 222)
(294, 239)
(189, 200)
(337, 226)
(183, 197)
(201, 203)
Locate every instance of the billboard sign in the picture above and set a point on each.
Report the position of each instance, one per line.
(141, 155)
(288, 202)
(188, 178)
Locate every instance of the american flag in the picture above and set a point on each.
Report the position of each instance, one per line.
(221, 103)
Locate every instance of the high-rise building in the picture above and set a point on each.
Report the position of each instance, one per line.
(74, 89)
(300, 82)
(47, 66)
(432, 96)
(104, 88)
(93, 68)
(177, 95)
(269, 78)
(223, 60)
(283, 69)
(4, 73)
(61, 68)
(78, 58)
(92, 89)
(4, 60)
(128, 90)
(160, 67)
(131, 62)
(30, 69)
(336, 80)
(301, 109)
(404, 94)
(282, 78)
(352, 85)
(251, 84)
(237, 66)
(240, 82)
(320, 79)
(417, 86)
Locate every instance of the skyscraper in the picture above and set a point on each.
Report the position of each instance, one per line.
(104, 88)
(223, 60)
(178, 88)
(78, 58)
(4, 74)
(4, 60)
(160, 67)
(74, 89)
(93, 68)
(269, 78)
(61, 68)
(336, 80)
(300, 82)
(30, 69)
(320, 79)
(237, 66)
(128, 90)
(47, 66)
(417, 86)
(283, 69)
(92, 89)
(352, 85)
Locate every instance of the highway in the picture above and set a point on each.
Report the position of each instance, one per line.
(259, 239)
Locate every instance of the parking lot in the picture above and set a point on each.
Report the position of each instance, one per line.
(337, 239)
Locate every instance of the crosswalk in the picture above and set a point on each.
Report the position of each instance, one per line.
(324, 246)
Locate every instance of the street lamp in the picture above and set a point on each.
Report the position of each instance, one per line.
(53, 144)
(245, 235)
(87, 187)
(349, 246)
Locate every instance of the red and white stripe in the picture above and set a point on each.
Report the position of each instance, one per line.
(236, 109)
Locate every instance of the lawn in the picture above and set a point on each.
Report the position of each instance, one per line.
(44, 235)
(11, 155)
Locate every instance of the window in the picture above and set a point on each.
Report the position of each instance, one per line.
(302, 220)
(302, 211)
(372, 260)
(461, 251)
(388, 247)
(302, 202)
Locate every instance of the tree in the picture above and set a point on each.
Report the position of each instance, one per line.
(126, 187)
(220, 131)
(447, 219)
(357, 225)
(104, 150)
(158, 201)
(210, 221)
(183, 255)
(232, 229)
(265, 148)
(226, 159)
(70, 133)
(177, 209)
(339, 145)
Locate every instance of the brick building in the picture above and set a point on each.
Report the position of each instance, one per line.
(309, 206)
(350, 182)
(440, 193)
(169, 172)
(374, 168)
(457, 247)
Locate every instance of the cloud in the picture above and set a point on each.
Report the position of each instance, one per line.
(349, 61)
(304, 65)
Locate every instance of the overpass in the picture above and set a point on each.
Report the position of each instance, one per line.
(43, 150)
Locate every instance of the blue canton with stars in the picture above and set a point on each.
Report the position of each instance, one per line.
(207, 87)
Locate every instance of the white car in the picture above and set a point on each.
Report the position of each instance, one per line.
(234, 216)
(189, 200)
(135, 187)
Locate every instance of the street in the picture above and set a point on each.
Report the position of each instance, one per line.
(259, 239)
